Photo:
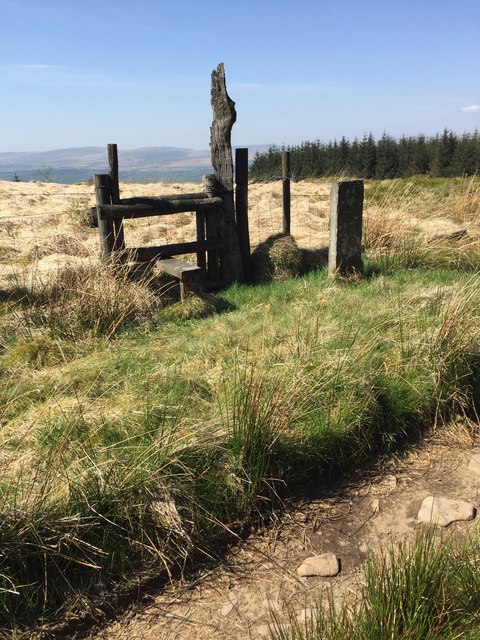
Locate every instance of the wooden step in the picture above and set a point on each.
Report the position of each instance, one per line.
(185, 272)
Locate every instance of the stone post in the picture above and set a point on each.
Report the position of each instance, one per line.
(346, 212)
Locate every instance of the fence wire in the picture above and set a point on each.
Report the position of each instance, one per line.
(309, 208)
(43, 222)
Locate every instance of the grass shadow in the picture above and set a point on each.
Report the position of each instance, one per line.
(15, 294)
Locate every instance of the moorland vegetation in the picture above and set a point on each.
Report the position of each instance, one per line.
(139, 436)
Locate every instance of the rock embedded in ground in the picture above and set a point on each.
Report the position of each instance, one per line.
(474, 464)
(326, 565)
(305, 615)
(230, 604)
(444, 511)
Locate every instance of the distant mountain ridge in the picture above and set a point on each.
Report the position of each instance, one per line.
(81, 163)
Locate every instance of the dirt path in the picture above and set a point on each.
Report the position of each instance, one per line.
(234, 600)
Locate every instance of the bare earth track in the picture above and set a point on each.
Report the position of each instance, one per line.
(235, 598)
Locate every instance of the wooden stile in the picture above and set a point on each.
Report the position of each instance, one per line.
(221, 256)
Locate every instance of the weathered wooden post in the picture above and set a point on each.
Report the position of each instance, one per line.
(346, 212)
(224, 117)
(286, 191)
(103, 195)
(115, 188)
(201, 255)
(241, 209)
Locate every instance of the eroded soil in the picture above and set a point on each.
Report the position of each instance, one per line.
(235, 597)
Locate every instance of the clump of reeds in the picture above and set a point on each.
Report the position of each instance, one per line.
(426, 589)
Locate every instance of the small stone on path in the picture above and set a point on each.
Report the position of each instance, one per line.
(305, 615)
(230, 605)
(326, 565)
(444, 511)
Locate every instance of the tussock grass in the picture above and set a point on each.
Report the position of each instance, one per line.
(94, 298)
(414, 223)
(278, 258)
(427, 589)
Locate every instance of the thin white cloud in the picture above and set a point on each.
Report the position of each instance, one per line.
(471, 108)
(58, 76)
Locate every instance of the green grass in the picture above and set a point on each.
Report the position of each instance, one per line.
(428, 590)
(421, 186)
(136, 436)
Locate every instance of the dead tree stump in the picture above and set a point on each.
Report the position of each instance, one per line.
(224, 117)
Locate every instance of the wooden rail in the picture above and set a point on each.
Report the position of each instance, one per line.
(144, 207)
(147, 254)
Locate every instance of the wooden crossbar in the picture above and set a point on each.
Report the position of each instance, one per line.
(144, 207)
(147, 254)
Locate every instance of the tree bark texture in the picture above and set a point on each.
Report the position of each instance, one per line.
(224, 117)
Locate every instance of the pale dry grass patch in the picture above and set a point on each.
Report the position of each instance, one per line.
(414, 226)
(465, 206)
(83, 297)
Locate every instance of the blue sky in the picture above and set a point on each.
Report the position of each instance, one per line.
(88, 72)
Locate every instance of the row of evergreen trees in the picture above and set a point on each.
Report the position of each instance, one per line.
(439, 156)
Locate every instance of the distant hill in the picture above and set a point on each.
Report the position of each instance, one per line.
(170, 164)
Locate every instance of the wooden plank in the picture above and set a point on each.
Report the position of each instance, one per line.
(186, 273)
(113, 163)
(179, 268)
(115, 186)
(213, 236)
(201, 255)
(241, 209)
(159, 208)
(151, 200)
(145, 254)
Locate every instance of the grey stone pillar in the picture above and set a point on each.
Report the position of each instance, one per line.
(346, 213)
